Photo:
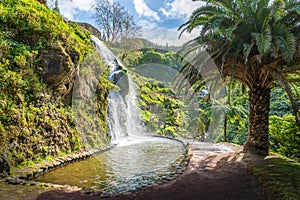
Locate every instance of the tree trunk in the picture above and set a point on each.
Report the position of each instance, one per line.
(258, 136)
(225, 127)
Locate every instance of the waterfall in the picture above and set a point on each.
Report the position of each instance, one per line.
(124, 122)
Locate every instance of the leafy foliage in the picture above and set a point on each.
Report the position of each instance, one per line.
(159, 108)
(237, 116)
(255, 43)
(90, 101)
(33, 24)
(280, 104)
(154, 56)
(285, 136)
(34, 124)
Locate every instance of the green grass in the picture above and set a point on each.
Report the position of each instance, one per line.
(279, 177)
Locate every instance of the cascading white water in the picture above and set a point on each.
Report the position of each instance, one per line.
(124, 122)
(134, 122)
(106, 54)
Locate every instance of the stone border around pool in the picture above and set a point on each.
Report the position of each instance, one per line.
(24, 176)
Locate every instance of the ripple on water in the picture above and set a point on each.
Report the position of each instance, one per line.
(128, 166)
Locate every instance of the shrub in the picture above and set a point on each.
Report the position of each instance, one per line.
(285, 136)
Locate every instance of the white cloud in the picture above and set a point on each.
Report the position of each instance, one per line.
(143, 10)
(70, 8)
(171, 36)
(146, 23)
(180, 8)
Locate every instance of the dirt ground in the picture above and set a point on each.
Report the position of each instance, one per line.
(209, 176)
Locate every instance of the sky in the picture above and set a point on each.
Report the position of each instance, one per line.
(159, 19)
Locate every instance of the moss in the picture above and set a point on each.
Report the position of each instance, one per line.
(35, 122)
(35, 25)
(90, 107)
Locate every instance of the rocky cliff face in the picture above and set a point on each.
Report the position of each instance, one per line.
(90, 28)
(4, 165)
(59, 65)
(40, 57)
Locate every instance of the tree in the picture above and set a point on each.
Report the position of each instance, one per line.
(254, 42)
(114, 21)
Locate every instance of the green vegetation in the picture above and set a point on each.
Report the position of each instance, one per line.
(285, 136)
(152, 72)
(284, 132)
(253, 42)
(90, 102)
(33, 25)
(233, 112)
(159, 108)
(39, 53)
(150, 56)
(279, 177)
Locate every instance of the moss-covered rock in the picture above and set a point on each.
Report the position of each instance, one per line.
(90, 28)
(40, 56)
(90, 101)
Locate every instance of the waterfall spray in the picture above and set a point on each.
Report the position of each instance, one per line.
(124, 121)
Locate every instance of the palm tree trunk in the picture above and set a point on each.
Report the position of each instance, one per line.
(258, 137)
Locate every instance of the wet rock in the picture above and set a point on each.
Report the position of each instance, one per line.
(29, 176)
(97, 193)
(31, 183)
(45, 168)
(62, 160)
(14, 181)
(58, 69)
(4, 165)
(127, 193)
(105, 195)
(88, 192)
(45, 184)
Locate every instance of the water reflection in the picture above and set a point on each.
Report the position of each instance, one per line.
(125, 167)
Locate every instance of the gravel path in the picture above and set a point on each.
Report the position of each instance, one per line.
(214, 173)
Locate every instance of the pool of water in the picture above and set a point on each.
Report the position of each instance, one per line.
(133, 163)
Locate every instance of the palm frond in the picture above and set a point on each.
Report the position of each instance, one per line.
(245, 38)
(285, 41)
(263, 41)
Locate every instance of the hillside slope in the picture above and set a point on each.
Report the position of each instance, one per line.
(40, 56)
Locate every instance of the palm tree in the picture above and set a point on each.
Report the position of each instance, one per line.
(255, 42)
